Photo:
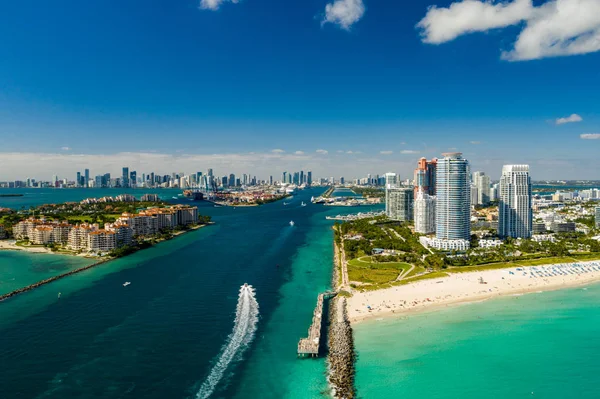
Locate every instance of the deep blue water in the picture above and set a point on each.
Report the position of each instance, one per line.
(161, 336)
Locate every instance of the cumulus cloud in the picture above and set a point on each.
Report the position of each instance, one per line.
(65, 148)
(323, 152)
(345, 13)
(475, 142)
(569, 119)
(409, 152)
(387, 152)
(299, 153)
(590, 136)
(554, 28)
(277, 151)
(214, 4)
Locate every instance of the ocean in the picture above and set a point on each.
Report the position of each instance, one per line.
(540, 345)
(181, 329)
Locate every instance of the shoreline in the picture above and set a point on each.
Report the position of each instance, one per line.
(464, 288)
(101, 261)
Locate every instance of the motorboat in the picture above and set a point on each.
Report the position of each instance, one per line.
(126, 283)
(302, 204)
(292, 223)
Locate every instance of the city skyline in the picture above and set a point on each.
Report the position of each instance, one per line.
(343, 88)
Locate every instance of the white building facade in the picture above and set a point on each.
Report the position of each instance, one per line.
(515, 213)
(424, 213)
(453, 210)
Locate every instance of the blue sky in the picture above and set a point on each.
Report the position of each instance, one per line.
(179, 85)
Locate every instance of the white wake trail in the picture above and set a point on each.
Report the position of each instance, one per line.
(244, 327)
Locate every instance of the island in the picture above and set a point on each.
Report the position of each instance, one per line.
(104, 228)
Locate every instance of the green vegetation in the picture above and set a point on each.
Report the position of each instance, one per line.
(375, 270)
(369, 192)
(422, 277)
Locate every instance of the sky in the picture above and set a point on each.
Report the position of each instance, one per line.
(339, 87)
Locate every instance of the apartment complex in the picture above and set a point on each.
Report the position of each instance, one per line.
(90, 238)
(399, 203)
(424, 213)
(482, 183)
(425, 176)
(515, 213)
(453, 210)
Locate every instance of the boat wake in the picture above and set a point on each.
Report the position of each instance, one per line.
(246, 319)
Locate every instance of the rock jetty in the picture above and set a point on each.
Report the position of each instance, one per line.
(48, 280)
(341, 356)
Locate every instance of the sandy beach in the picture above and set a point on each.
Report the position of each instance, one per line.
(467, 287)
(12, 246)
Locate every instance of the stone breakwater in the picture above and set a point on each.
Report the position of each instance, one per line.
(341, 356)
(49, 280)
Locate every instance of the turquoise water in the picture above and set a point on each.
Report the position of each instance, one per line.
(19, 268)
(541, 345)
(161, 336)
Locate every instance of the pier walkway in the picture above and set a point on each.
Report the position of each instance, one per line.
(310, 346)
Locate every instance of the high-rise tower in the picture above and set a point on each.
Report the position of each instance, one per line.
(425, 176)
(453, 209)
(515, 214)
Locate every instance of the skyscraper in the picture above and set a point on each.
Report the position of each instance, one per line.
(399, 203)
(78, 181)
(453, 208)
(424, 213)
(309, 178)
(133, 178)
(515, 214)
(86, 174)
(284, 177)
(390, 180)
(125, 177)
(425, 176)
(482, 182)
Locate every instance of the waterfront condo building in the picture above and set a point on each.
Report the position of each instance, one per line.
(453, 210)
(515, 213)
(101, 241)
(425, 176)
(399, 203)
(424, 213)
(482, 182)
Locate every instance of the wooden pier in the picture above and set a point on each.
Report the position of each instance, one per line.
(310, 346)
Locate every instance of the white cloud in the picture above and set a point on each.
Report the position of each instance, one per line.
(214, 4)
(344, 12)
(555, 28)
(319, 151)
(386, 152)
(569, 119)
(409, 152)
(299, 153)
(277, 151)
(475, 142)
(590, 136)
(65, 148)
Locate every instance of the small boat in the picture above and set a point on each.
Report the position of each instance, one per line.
(126, 283)
(285, 203)
(302, 204)
(59, 294)
(292, 223)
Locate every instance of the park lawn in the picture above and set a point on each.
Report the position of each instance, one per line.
(375, 273)
(588, 256)
(420, 278)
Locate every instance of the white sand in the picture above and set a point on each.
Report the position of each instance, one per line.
(11, 245)
(466, 287)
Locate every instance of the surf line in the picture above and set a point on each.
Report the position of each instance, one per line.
(244, 329)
